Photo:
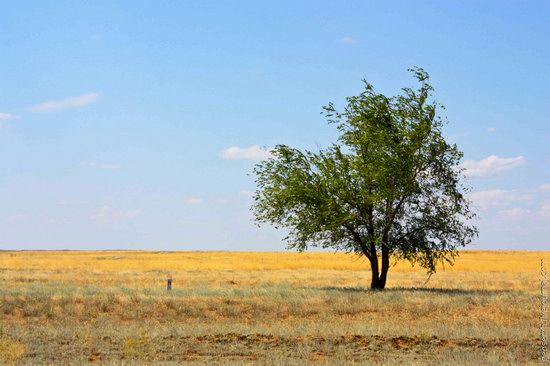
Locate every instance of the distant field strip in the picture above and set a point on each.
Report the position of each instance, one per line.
(469, 261)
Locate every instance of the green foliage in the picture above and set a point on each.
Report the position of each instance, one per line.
(390, 184)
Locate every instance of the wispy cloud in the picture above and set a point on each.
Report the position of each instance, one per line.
(71, 202)
(246, 193)
(459, 136)
(109, 214)
(14, 219)
(5, 117)
(545, 210)
(58, 221)
(67, 103)
(497, 197)
(194, 200)
(514, 213)
(544, 187)
(106, 166)
(491, 129)
(348, 40)
(253, 152)
(491, 164)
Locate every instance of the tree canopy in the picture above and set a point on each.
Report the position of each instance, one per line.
(390, 188)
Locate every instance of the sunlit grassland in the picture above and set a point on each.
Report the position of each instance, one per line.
(112, 307)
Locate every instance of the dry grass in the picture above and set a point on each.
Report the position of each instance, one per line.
(111, 307)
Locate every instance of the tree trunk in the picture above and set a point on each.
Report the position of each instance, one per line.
(385, 266)
(375, 279)
(378, 280)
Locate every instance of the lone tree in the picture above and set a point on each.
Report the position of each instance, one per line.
(390, 187)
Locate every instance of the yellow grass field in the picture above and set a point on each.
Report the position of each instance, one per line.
(112, 307)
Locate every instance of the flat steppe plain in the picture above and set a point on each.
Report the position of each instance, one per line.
(112, 307)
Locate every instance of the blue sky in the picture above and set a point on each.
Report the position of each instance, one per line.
(137, 124)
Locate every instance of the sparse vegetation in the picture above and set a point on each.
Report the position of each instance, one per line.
(10, 350)
(265, 308)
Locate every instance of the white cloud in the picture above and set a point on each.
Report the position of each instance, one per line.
(109, 214)
(348, 40)
(544, 187)
(514, 213)
(106, 166)
(491, 129)
(221, 201)
(497, 197)
(14, 219)
(253, 152)
(194, 200)
(71, 102)
(491, 164)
